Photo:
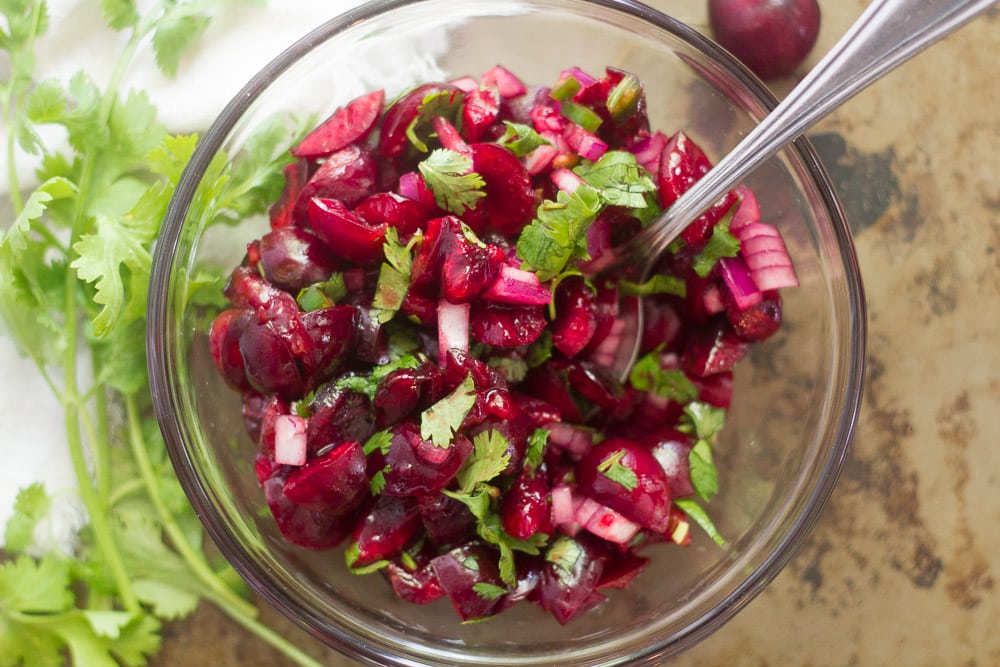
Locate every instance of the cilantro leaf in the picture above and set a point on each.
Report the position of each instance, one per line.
(119, 14)
(368, 384)
(657, 284)
(101, 257)
(322, 295)
(31, 586)
(450, 177)
(702, 419)
(558, 234)
(535, 452)
(176, 30)
(721, 244)
(619, 473)
(704, 476)
(490, 457)
(564, 553)
(488, 591)
(697, 514)
(619, 179)
(648, 375)
(446, 104)
(521, 139)
(439, 422)
(394, 275)
(379, 441)
(31, 506)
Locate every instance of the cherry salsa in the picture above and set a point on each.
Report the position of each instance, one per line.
(422, 340)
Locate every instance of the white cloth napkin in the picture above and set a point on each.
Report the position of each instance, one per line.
(243, 37)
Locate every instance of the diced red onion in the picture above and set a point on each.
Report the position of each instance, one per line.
(411, 185)
(647, 151)
(737, 279)
(506, 82)
(562, 504)
(762, 243)
(453, 328)
(290, 440)
(584, 508)
(766, 258)
(584, 78)
(775, 277)
(598, 245)
(539, 159)
(547, 119)
(586, 144)
(747, 208)
(466, 84)
(755, 229)
(575, 441)
(608, 524)
(556, 139)
(517, 286)
(566, 180)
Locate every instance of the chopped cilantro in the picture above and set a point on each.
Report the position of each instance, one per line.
(619, 473)
(648, 375)
(619, 179)
(367, 384)
(377, 482)
(444, 103)
(704, 476)
(705, 421)
(697, 514)
(489, 458)
(394, 276)
(521, 139)
(658, 284)
(322, 295)
(379, 441)
(439, 422)
(488, 591)
(558, 234)
(721, 244)
(450, 177)
(565, 554)
(537, 442)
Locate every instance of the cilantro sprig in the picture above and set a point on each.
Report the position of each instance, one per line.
(489, 458)
(558, 234)
(74, 268)
(449, 175)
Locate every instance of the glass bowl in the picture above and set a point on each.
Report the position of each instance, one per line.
(796, 396)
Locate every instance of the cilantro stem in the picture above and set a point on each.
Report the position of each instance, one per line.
(286, 647)
(99, 519)
(194, 559)
(10, 106)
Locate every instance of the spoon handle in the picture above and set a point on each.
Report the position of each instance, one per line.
(888, 33)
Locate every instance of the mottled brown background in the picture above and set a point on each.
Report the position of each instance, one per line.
(901, 568)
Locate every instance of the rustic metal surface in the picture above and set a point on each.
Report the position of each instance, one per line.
(901, 568)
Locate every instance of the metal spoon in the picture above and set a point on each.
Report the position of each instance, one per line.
(887, 34)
